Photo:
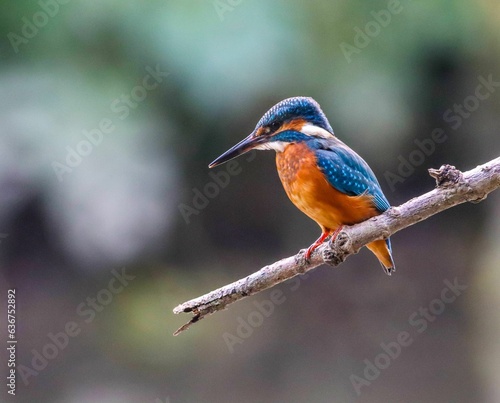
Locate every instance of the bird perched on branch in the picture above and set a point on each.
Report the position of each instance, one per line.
(321, 175)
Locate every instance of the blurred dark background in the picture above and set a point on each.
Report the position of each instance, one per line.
(110, 113)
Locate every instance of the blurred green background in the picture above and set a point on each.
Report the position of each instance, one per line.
(110, 113)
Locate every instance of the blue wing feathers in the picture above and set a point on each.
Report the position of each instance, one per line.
(347, 172)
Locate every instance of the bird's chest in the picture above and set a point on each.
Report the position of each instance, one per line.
(300, 175)
(293, 163)
(307, 187)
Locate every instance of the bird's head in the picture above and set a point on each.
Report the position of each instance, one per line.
(292, 120)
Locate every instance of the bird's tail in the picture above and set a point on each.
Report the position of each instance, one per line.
(383, 250)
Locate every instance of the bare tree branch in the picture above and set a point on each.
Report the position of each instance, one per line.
(453, 188)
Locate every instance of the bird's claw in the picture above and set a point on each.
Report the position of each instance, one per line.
(301, 258)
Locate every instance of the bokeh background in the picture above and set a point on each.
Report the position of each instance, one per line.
(130, 203)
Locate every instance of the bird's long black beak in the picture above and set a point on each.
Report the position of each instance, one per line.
(242, 147)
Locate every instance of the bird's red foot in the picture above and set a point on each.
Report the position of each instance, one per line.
(320, 240)
(336, 232)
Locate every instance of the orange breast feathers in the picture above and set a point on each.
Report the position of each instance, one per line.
(310, 191)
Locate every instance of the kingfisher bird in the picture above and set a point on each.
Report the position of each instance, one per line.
(322, 176)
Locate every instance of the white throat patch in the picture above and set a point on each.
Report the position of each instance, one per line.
(278, 146)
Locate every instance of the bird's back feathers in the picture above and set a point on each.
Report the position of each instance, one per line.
(347, 172)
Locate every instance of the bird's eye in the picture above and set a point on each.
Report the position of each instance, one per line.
(274, 126)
